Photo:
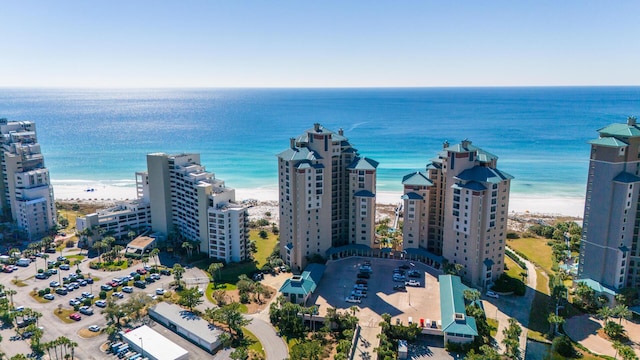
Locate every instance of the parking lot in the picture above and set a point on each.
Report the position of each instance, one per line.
(420, 302)
(88, 348)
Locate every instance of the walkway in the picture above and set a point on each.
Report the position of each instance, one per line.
(513, 307)
(583, 329)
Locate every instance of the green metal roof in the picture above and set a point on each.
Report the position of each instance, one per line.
(597, 287)
(484, 174)
(609, 141)
(363, 163)
(417, 178)
(452, 307)
(620, 129)
(304, 283)
(465, 146)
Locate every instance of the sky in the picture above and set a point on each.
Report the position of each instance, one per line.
(270, 43)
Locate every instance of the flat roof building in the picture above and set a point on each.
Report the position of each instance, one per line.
(187, 324)
(151, 344)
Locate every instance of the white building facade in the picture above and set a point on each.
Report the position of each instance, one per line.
(26, 194)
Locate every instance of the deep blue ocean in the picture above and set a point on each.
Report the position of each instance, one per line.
(540, 133)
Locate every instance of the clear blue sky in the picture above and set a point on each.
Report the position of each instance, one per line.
(340, 43)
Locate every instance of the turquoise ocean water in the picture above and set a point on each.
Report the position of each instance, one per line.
(540, 133)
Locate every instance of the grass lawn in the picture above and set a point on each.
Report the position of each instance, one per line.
(536, 249)
(64, 315)
(230, 272)
(71, 216)
(514, 270)
(264, 246)
(493, 325)
(538, 324)
(72, 258)
(256, 345)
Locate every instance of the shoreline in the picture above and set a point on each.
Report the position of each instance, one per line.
(108, 193)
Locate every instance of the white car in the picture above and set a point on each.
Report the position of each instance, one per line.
(412, 283)
(159, 291)
(398, 277)
(493, 295)
(101, 303)
(353, 299)
(359, 293)
(127, 289)
(94, 328)
(360, 287)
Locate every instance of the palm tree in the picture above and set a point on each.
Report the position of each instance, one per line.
(188, 247)
(354, 309)
(213, 269)
(77, 264)
(118, 251)
(554, 320)
(154, 254)
(98, 246)
(605, 313)
(11, 292)
(622, 312)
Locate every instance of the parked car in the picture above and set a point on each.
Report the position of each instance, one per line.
(54, 284)
(94, 328)
(165, 272)
(412, 283)
(398, 277)
(41, 276)
(119, 295)
(361, 281)
(414, 273)
(48, 297)
(61, 258)
(353, 299)
(493, 295)
(101, 303)
(89, 280)
(360, 287)
(64, 267)
(363, 275)
(399, 287)
(127, 289)
(83, 283)
(61, 291)
(86, 310)
(359, 293)
(74, 302)
(159, 291)
(106, 287)
(404, 266)
(141, 271)
(75, 316)
(155, 276)
(139, 284)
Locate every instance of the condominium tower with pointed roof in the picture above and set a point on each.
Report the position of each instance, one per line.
(609, 253)
(327, 196)
(458, 208)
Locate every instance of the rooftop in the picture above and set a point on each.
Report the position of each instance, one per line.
(452, 307)
(155, 345)
(188, 320)
(484, 174)
(306, 282)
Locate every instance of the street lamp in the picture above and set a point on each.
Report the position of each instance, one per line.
(141, 347)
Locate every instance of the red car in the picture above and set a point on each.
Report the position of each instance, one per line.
(75, 316)
(141, 271)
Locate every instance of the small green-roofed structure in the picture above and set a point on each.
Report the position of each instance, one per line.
(598, 288)
(609, 141)
(621, 130)
(456, 325)
(298, 288)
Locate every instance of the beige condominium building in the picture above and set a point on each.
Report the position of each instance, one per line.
(26, 195)
(458, 208)
(327, 196)
(609, 253)
(191, 201)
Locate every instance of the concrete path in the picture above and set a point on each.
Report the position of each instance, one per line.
(513, 307)
(583, 329)
(367, 341)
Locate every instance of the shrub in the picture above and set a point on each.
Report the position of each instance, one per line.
(512, 235)
(41, 293)
(263, 234)
(244, 298)
(70, 243)
(86, 302)
(563, 346)
(103, 295)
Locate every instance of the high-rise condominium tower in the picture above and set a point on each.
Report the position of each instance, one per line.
(187, 199)
(458, 208)
(327, 196)
(609, 251)
(26, 195)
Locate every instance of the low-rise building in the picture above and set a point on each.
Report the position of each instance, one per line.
(187, 324)
(298, 288)
(456, 325)
(117, 220)
(152, 345)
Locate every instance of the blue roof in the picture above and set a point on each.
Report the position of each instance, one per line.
(299, 153)
(363, 164)
(625, 177)
(364, 193)
(424, 253)
(609, 142)
(416, 178)
(452, 307)
(306, 282)
(483, 174)
(471, 185)
(412, 196)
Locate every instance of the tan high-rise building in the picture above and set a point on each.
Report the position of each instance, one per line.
(609, 251)
(327, 196)
(26, 194)
(458, 208)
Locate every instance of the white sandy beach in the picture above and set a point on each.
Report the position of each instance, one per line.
(105, 192)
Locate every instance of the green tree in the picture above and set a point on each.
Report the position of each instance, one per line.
(154, 254)
(306, 350)
(231, 317)
(213, 270)
(511, 339)
(622, 312)
(554, 320)
(178, 272)
(190, 298)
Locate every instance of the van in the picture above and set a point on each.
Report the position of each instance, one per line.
(410, 320)
(23, 262)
